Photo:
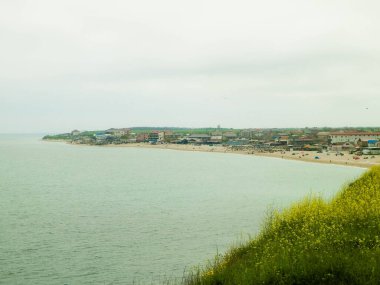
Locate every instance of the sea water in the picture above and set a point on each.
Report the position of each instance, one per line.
(117, 215)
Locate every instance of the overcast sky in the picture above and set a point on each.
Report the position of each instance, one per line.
(99, 64)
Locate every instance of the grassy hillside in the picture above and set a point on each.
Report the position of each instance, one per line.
(312, 242)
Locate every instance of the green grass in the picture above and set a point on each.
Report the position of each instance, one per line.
(312, 242)
(58, 137)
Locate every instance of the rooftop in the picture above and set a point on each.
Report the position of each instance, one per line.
(355, 134)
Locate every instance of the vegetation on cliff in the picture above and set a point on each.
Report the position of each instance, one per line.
(312, 242)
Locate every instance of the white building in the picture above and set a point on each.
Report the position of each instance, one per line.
(352, 137)
(161, 136)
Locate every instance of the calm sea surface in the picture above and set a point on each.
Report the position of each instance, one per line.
(101, 215)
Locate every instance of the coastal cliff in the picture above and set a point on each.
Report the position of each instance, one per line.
(312, 242)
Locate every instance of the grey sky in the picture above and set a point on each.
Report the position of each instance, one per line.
(98, 64)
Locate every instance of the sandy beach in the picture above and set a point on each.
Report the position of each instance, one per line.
(365, 161)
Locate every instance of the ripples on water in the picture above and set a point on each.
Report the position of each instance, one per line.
(96, 215)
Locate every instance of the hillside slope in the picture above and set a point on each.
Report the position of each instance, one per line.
(312, 242)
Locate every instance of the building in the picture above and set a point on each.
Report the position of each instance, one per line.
(216, 139)
(303, 142)
(161, 136)
(200, 138)
(171, 137)
(371, 150)
(102, 137)
(142, 137)
(248, 133)
(343, 147)
(238, 142)
(153, 136)
(352, 137)
(283, 140)
(229, 136)
(75, 132)
(373, 143)
(323, 137)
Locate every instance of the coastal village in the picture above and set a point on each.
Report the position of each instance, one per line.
(357, 142)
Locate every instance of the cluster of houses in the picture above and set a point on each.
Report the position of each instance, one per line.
(365, 142)
(264, 139)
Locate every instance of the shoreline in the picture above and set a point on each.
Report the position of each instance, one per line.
(304, 156)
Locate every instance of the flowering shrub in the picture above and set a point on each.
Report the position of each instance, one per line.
(312, 242)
